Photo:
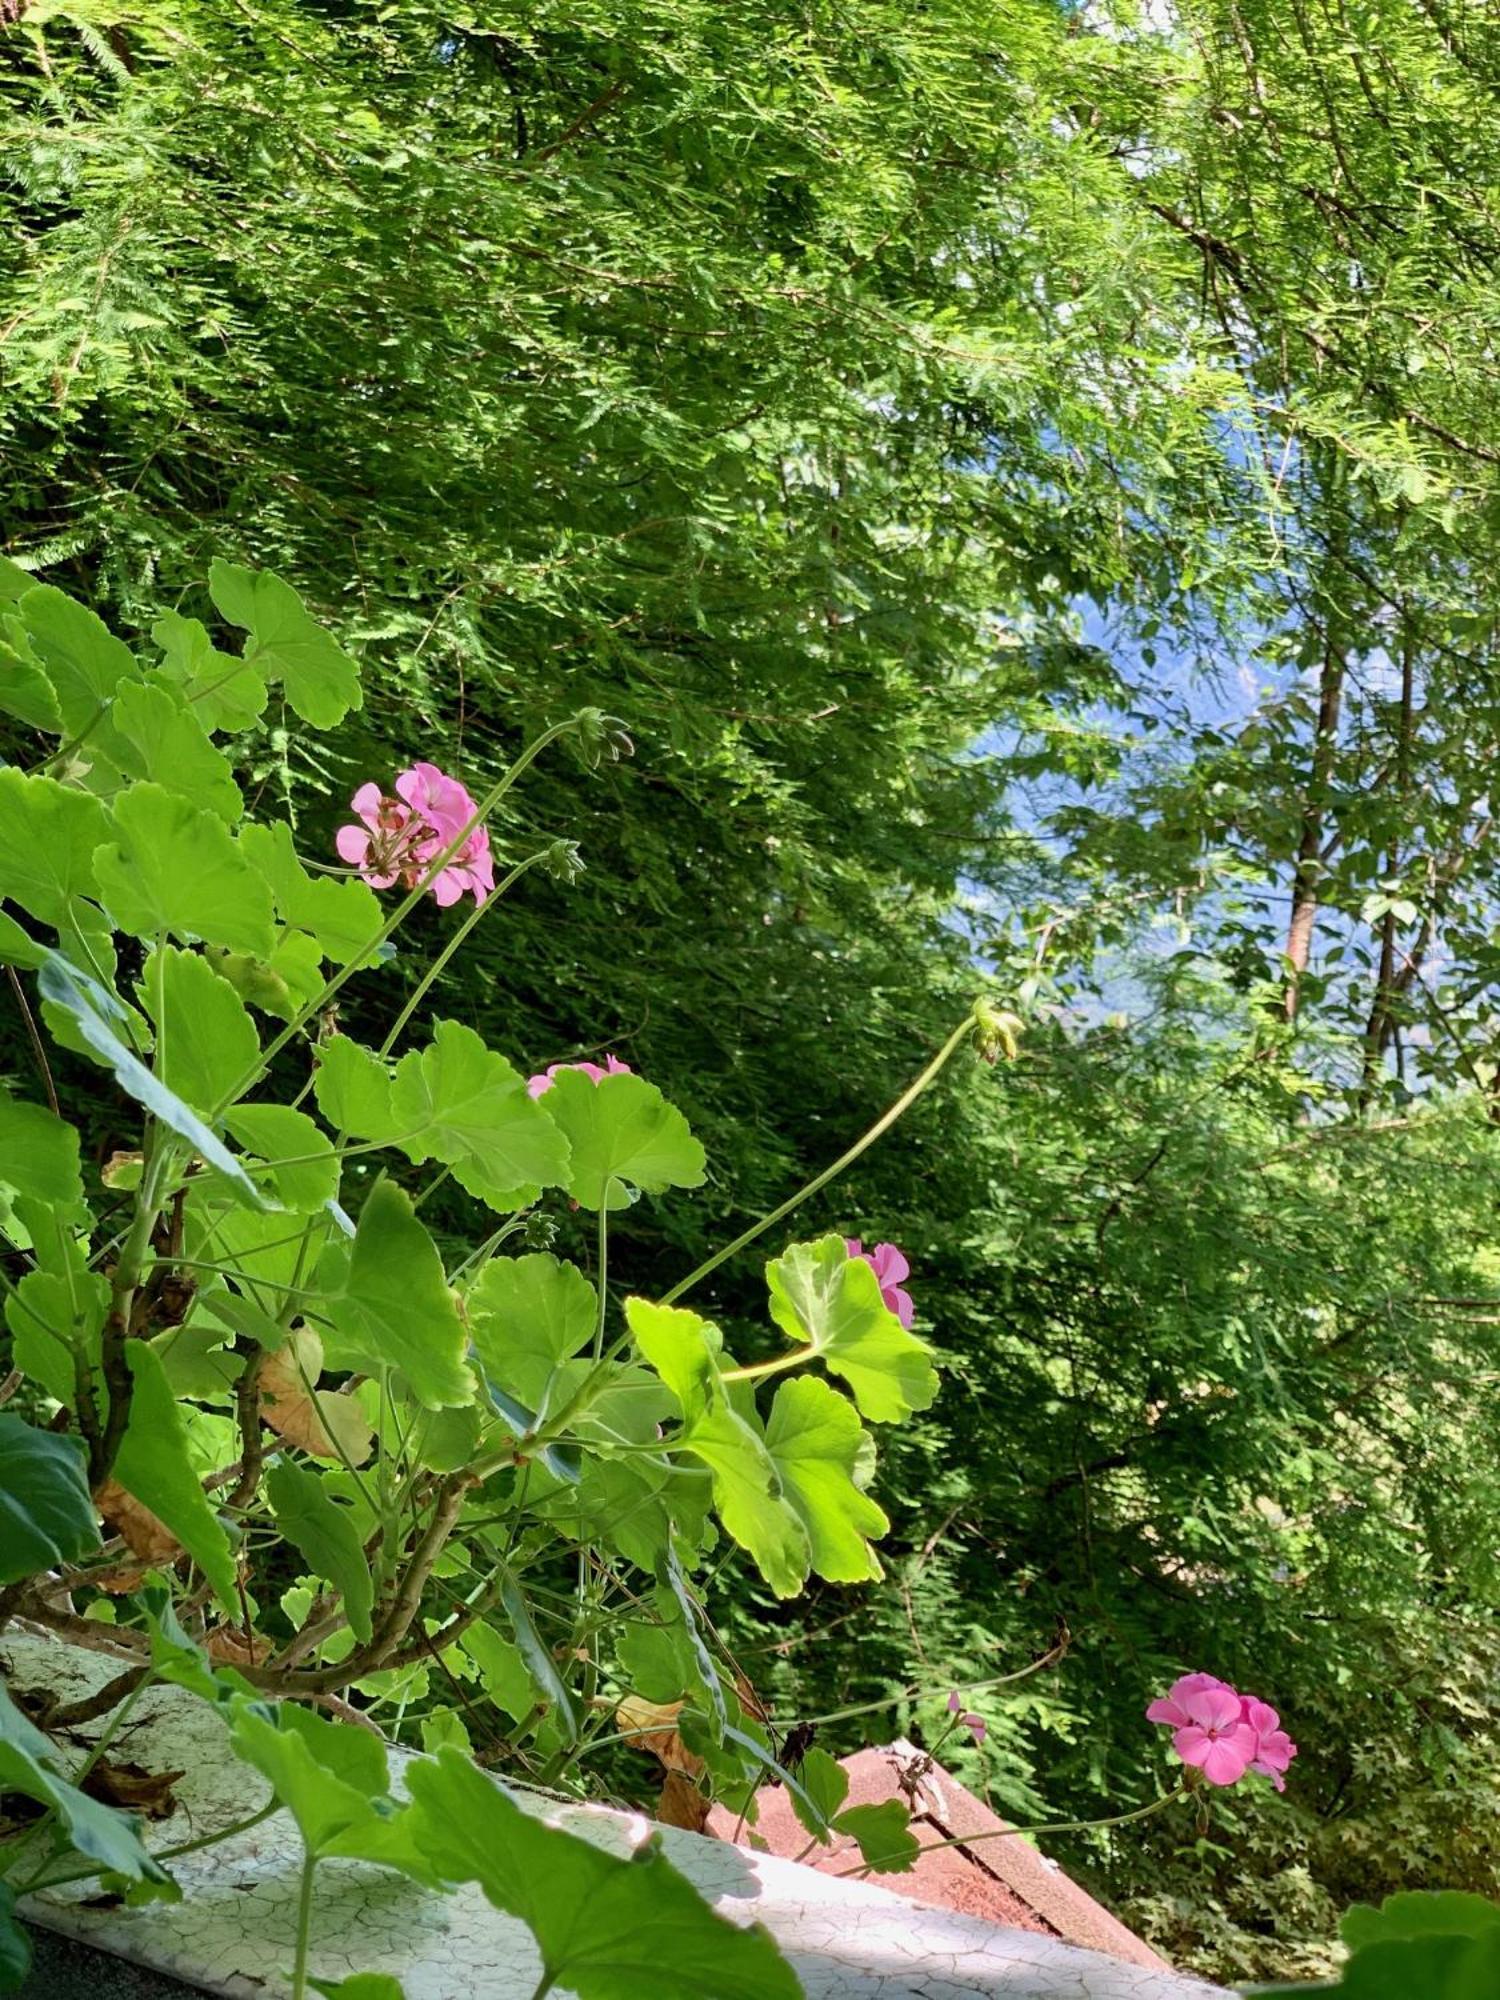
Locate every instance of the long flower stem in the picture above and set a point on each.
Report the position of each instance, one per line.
(878, 1130)
(435, 971)
(557, 1426)
(1054, 1826)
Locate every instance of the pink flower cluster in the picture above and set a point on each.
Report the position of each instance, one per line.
(399, 838)
(890, 1267)
(612, 1066)
(1223, 1733)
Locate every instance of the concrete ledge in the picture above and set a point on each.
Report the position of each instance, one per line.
(232, 1933)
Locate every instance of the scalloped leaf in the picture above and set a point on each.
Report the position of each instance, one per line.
(817, 1443)
(178, 868)
(624, 1136)
(287, 643)
(822, 1296)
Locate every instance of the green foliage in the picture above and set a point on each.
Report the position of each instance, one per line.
(1446, 1945)
(1025, 476)
(485, 1426)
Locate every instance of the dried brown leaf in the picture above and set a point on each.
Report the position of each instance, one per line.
(140, 1530)
(133, 1787)
(319, 1422)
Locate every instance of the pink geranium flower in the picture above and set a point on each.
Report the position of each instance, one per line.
(383, 846)
(1215, 1739)
(442, 801)
(1171, 1708)
(399, 838)
(1221, 1732)
(890, 1267)
(1274, 1749)
(612, 1066)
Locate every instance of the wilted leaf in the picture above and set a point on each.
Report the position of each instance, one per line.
(318, 1421)
(140, 1530)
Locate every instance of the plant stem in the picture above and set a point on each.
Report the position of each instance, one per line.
(544, 1985)
(304, 1924)
(162, 1853)
(881, 1126)
(434, 971)
(1054, 1826)
(601, 1276)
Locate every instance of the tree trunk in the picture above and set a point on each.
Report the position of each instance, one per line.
(1308, 873)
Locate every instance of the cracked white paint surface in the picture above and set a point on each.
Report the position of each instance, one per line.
(232, 1933)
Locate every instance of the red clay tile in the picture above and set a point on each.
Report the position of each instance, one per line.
(1005, 1881)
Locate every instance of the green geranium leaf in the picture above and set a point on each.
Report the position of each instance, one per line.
(156, 736)
(25, 690)
(222, 691)
(46, 1514)
(1417, 1913)
(680, 1345)
(15, 1945)
(459, 1102)
(747, 1494)
(154, 1464)
(177, 868)
(606, 1929)
(503, 1671)
(275, 1132)
(343, 916)
(624, 1135)
(51, 1316)
(16, 948)
(527, 1316)
(324, 1535)
(29, 1763)
(886, 1841)
(320, 679)
(822, 1295)
(332, 1784)
(84, 660)
(93, 1012)
(673, 1592)
(353, 1089)
(38, 1153)
(206, 1043)
(823, 1789)
(537, 1657)
(816, 1442)
(48, 836)
(396, 1309)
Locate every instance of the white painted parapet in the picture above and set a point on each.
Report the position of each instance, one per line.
(232, 1933)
